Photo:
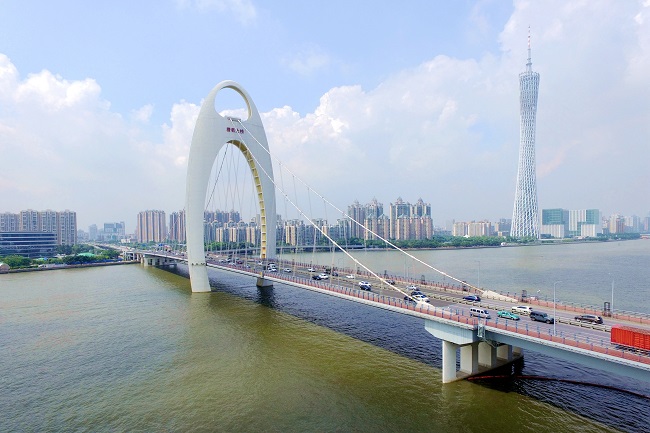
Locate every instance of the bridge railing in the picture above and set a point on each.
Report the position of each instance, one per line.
(533, 330)
(573, 340)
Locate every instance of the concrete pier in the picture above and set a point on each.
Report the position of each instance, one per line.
(477, 354)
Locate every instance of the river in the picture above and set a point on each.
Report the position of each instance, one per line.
(131, 349)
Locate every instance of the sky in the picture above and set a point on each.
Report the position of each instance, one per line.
(360, 99)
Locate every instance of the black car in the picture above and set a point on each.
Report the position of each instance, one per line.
(315, 277)
(589, 318)
(473, 298)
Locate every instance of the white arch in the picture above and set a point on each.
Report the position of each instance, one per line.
(211, 133)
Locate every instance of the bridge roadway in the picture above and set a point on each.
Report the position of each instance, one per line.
(483, 344)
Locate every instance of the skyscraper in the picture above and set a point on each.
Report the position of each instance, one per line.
(525, 218)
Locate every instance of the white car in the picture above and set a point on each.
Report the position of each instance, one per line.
(364, 285)
(311, 270)
(287, 270)
(323, 276)
(522, 309)
(420, 298)
(350, 277)
(412, 287)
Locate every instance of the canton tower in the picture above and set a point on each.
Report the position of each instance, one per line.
(525, 217)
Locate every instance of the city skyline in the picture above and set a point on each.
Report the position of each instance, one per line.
(100, 120)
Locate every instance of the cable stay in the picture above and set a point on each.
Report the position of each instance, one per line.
(345, 215)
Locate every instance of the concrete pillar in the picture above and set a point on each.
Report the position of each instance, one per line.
(517, 351)
(504, 352)
(448, 361)
(263, 282)
(487, 355)
(469, 358)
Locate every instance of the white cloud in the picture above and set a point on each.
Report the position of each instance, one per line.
(308, 61)
(62, 147)
(143, 114)
(446, 130)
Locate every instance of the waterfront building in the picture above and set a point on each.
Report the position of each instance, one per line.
(67, 234)
(62, 224)
(616, 224)
(584, 222)
(28, 244)
(555, 223)
(525, 212)
(9, 222)
(459, 228)
(151, 226)
(479, 228)
(561, 223)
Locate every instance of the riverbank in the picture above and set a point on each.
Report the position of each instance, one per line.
(57, 267)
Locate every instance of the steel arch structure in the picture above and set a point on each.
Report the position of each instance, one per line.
(211, 133)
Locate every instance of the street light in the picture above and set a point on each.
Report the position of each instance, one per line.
(611, 307)
(554, 318)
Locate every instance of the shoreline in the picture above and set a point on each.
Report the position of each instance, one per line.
(57, 267)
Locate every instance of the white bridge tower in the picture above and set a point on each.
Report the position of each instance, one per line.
(211, 133)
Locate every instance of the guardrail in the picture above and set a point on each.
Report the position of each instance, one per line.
(530, 329)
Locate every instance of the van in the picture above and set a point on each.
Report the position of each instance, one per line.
(538, 316)
(479, 312)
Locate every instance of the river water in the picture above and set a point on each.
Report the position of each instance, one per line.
(131, 349)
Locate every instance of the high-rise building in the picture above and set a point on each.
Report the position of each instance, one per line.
(525, 218)
(151, 226)
(177, 226)
(358, 214)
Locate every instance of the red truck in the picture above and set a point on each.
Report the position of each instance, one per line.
(631, 337)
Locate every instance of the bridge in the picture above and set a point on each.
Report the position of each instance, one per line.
(482, 344)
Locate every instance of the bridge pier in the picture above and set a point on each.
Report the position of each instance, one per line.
(476, 355)
(263, 282)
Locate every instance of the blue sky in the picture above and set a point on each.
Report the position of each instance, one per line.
(361, 99)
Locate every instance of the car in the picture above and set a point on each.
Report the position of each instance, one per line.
(473, 298)
(412, 287)
(391, 282)
(479, 312)
(420, 298)
(323, 276)
(522, 309)
(589, 318)
(507, 315)
(315, 277)
(416, 292)
(311, 270)
(287, 270)
(273, 270)
(350, 277)
(538, 316)
(364, 285)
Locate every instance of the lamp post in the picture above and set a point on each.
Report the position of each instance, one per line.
(611, 307)
(554, 319)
